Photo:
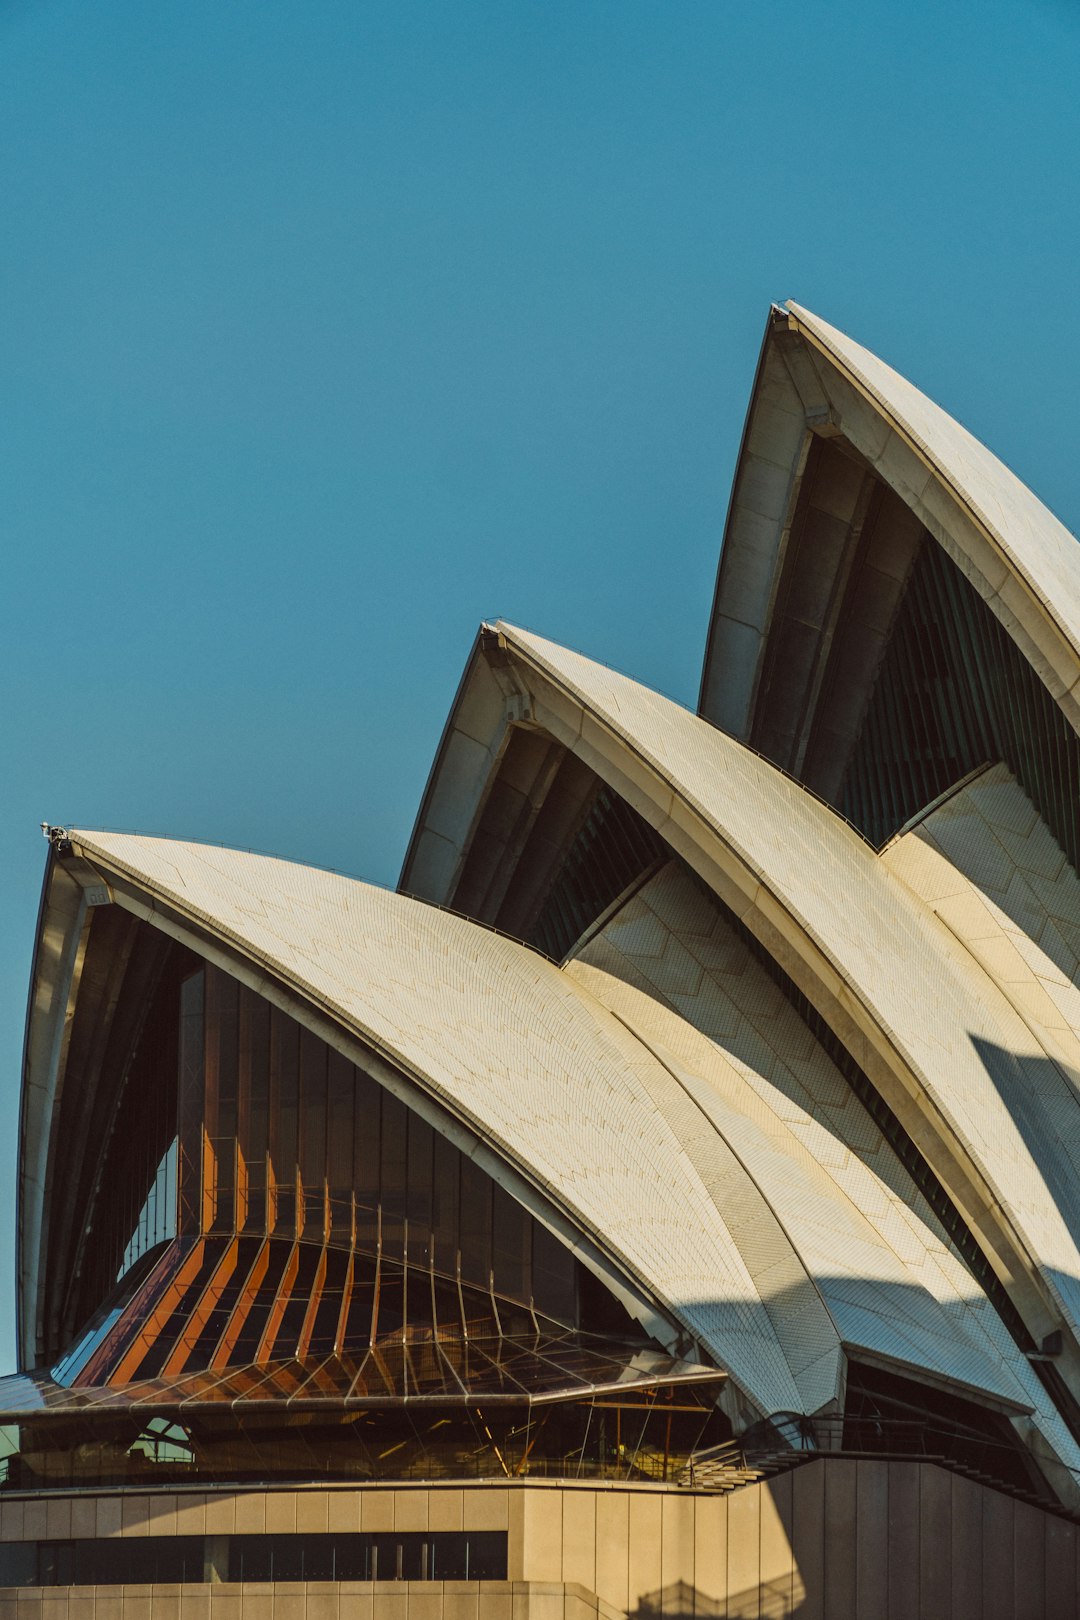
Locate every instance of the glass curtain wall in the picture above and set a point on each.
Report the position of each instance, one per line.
(283, 1137)
(271, 1200)
(955, 692)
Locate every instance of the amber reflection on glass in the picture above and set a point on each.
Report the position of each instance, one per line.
(634, 1433)
(341, 1292)
(297, 1142)
(313, 1214)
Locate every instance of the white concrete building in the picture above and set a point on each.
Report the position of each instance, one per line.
(666, 1203)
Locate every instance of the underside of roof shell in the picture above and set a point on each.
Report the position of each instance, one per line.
(550, 1093)
(936, 1036)
(817, 389)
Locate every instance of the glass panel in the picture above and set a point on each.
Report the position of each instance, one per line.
(251, 1558)
(340, 1095)
(391, 1301)
(324, 1327)
(184, 1299)
(257, 1303)
(312, 1148)
(366, 1158)
(191, 1102)
(449, 1558)
(223, 1011)
(352, 1558)
(486, 1556)
(955, 692)
(68, 1368)
(361, 1304)
(386, 1558)
(318, 1555)
(284, 1099)
(512, 1246)
(288, 1558)
(163, 1441)
(285, 1342)
(420, 1175)
(136, 1560)
(252, 1100)
(114, 1188)
(157, 1218)
(447, 1183)
(554, 1277)
(613, 846)
(394, 1175)
(411, 1558)
(19, 1563)
(220, 1317)
(475, 1224)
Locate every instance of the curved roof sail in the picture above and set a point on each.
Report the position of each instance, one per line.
(894, 1285)
(1035, 546)
(908, 1002)
(846, 477)
(545, 1087)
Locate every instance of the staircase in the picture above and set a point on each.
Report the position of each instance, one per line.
(727, 1468)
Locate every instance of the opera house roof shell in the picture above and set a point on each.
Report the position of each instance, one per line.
(757, 1028)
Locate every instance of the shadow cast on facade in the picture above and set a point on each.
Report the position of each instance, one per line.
(925, 1376)
(781, 1598)
(1039, 1092)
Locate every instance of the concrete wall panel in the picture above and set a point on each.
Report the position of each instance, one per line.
(676, 1542)
(710, 1576)
(872, 1520)
(778, 1594)
(744, 1553)
(835, 1539)
(579, 1537)
(935, 1542)
(903, 1542)
(841, 1520)
(997, 1557)
(967, 1549)
(644, 1550)
(612, 1530)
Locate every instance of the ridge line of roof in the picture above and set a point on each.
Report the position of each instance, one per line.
(807, 324)
(315, 866)
(692, 714)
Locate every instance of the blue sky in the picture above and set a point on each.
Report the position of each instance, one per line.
(329, 328)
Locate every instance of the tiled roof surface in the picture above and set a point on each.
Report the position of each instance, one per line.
(913, 986)
(1039, 547)
(876, 1254)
